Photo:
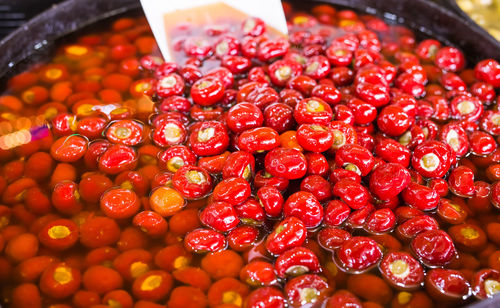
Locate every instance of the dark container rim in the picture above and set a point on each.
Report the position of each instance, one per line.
(37, 36)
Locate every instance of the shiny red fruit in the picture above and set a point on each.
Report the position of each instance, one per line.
(380, 221)
(258, 139)
(336, 213)
(204, 240)
(271, 200)
(461, 181)
(433, 248)
(447, 285)
(420, 197)
(402, 271)
(431, 159)
(352, 193)
(331, 238)
(295, 262)
(207, 91)
(192, 182)
(232, 190)
(359, 254)
(209, 138)
(306, 290)
(304, 206)
(289, 233)
(220, 216)
(244, 116)
(388, 180)
(356, 158)
(393, 121)
(415, 225)
(485, 283)
(286, 163)
(266, 297)
(314, 138)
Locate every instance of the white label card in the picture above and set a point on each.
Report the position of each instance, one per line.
(157, 11)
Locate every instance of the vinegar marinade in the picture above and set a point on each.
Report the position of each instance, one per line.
(350, 164)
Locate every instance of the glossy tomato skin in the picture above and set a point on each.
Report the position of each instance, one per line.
(69, 149)
(388, 180)
(127, 132)
(336, 213)
(364, 113)
(272, 200)
(151, 223)
(204, 240)
(479, 287)
(481, 143)
(91, 127)
(352, 193)
(192, 182)
(343, 133)
(461, 181)
(51, 285)
(420, 197)
(393, 152)
(169, 132)
(304, 206)
(281, 71)
(302, 83)
(456, 137)
(251, 212)
(380, 221)
(291, 232)
(285, 162)
(170, 84)
(120, 203)
(232, 190)
(258, 139)
(279, 117)
(207, 90)
(239, 164)
(59, 234)
(294, 290)
(317, 164)
(415, 225)
(355, 156)
(447, 285)
(117, 158)
(314, 138)
(312, 111)
(358, 254)
(393, 120)
(431, 159)
(209, 138)
(243, 116)
(450, 59)
(65, 198)
(488, 70)
(175, 157)
(331, 238)
(220, 216)
(242, 238)
(296, 261)
(343, 298)
(266, 297)
(253, 172)
(318, 186)
(433, 248)
(409, 276)
(263, 178)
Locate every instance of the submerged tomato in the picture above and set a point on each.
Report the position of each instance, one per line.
(252, 170)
